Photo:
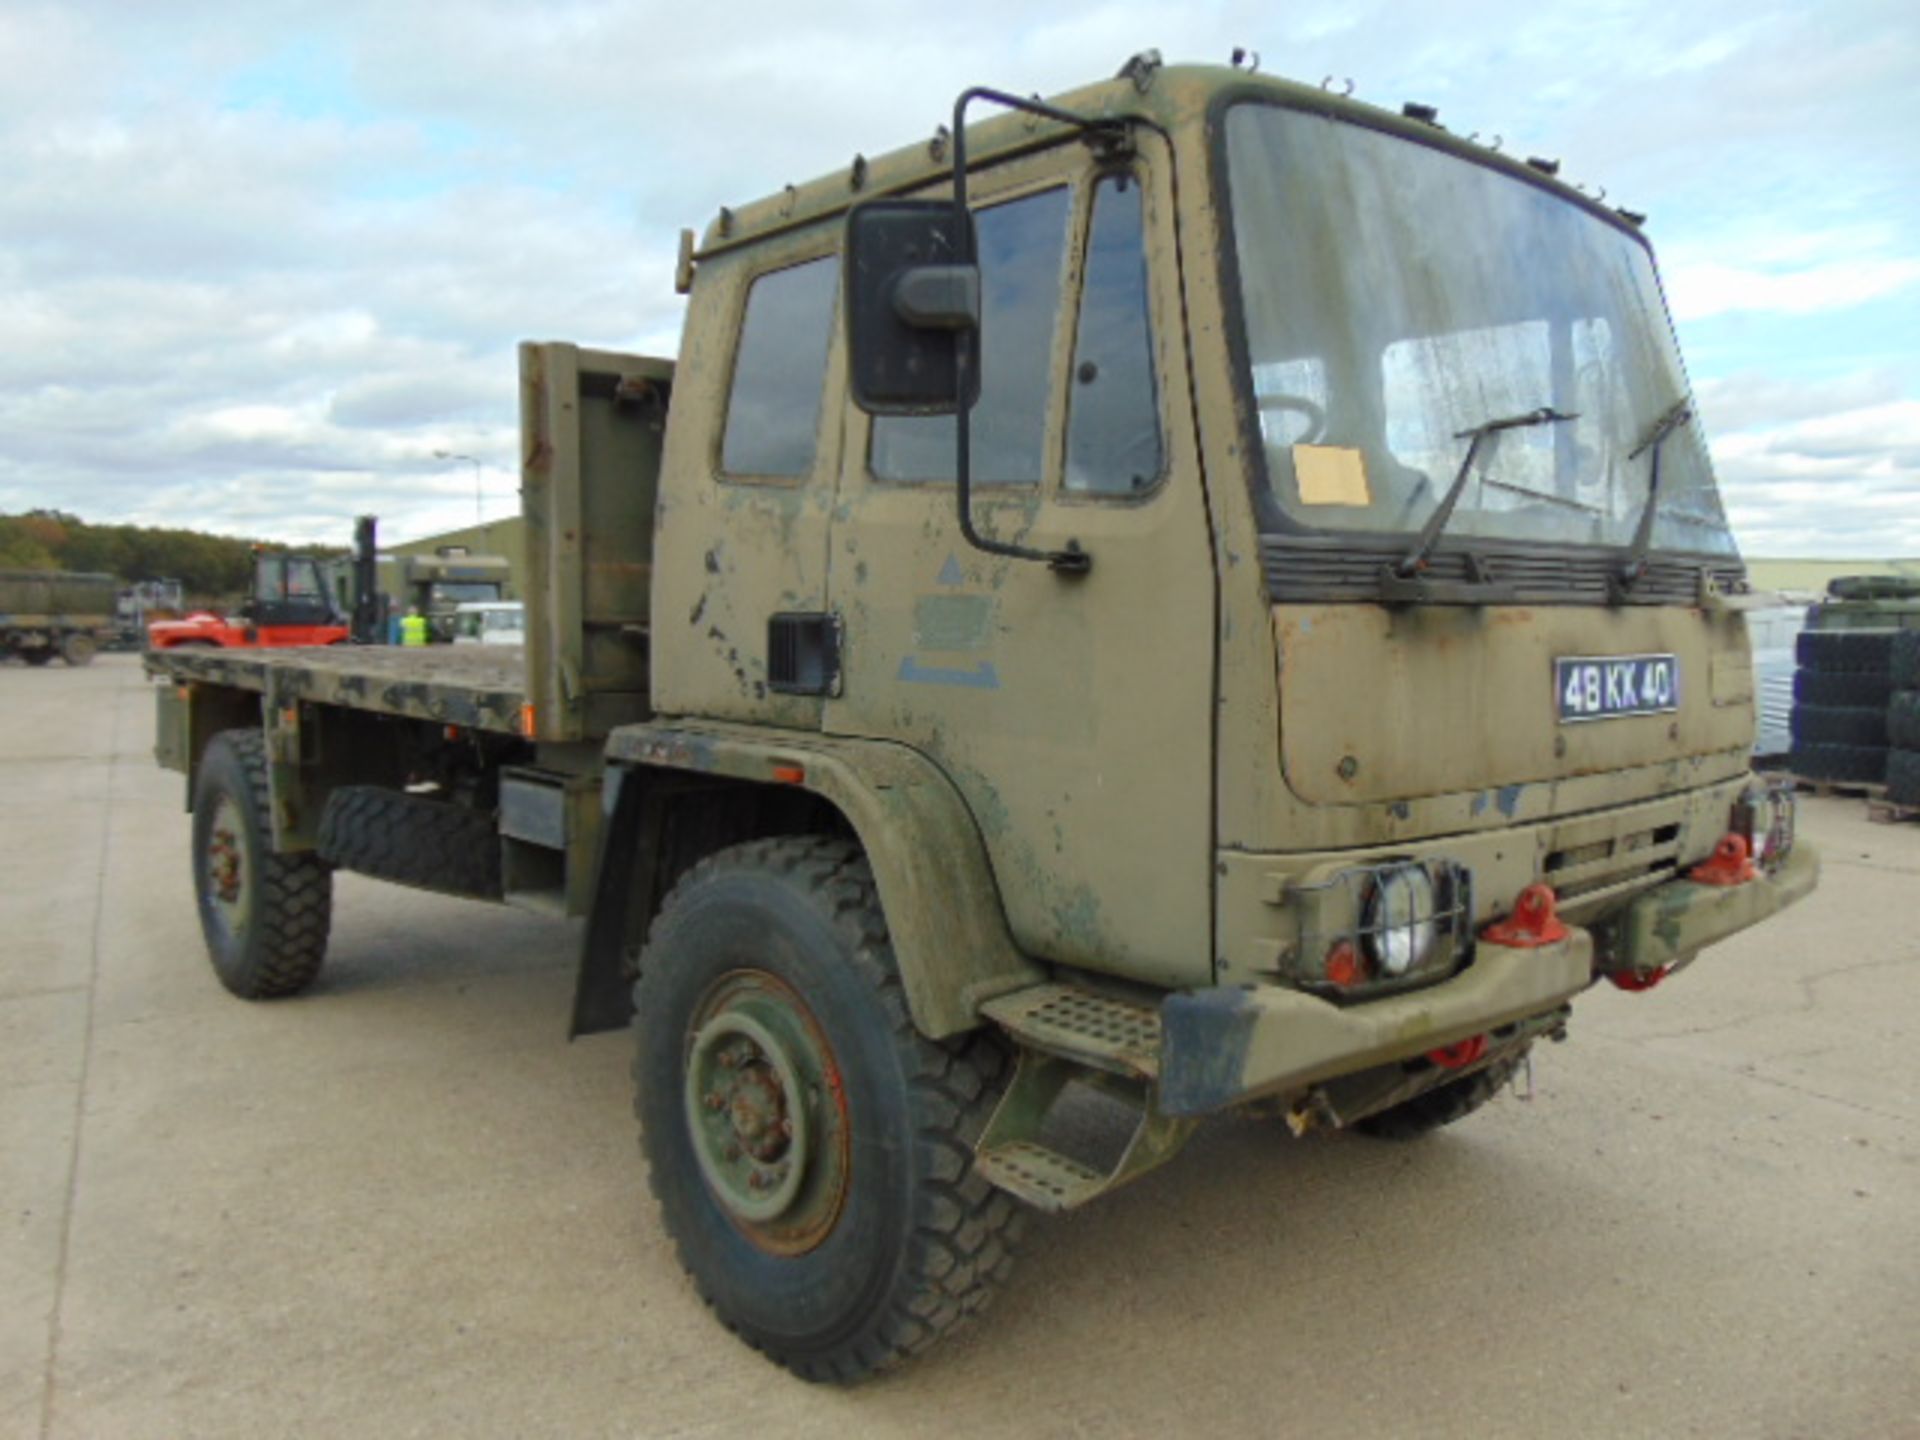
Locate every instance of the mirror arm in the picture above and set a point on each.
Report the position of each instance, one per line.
(1071, 561)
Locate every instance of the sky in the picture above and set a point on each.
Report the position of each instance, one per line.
(259, 263)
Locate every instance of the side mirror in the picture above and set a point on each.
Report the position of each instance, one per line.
(913, 307)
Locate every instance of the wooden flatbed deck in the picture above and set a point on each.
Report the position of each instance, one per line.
(483, 687)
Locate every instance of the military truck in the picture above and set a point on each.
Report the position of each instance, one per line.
(44, 613)
(1199, 594)
(437, 585)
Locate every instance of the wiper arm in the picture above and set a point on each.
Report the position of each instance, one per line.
(1415, 560)
(1677, 414)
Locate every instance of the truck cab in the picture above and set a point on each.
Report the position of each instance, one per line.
(1238, 347)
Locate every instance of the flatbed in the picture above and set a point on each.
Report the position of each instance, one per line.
(474, 686)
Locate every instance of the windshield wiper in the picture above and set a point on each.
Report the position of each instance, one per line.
(1415, 560)
(1629, 574)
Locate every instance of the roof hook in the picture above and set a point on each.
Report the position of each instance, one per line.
(1245, 59)
(1327, 84)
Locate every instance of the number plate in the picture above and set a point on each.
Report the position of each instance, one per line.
(1599, 687)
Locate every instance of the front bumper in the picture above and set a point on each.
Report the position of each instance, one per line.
(1225, 1045)
(1667, 926)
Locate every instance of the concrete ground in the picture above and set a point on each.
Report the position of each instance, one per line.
(403, 1205)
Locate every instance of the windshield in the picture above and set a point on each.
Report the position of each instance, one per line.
(454, 591)
(1396, 296)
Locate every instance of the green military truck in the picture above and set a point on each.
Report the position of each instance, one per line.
(44, 613)
(1197, 595)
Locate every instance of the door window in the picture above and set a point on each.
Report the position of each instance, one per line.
(773, 412)
(1113, 419)
(1021, 246)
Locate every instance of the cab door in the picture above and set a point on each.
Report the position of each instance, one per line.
(1073, 714)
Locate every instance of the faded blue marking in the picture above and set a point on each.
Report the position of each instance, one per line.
(981, 677)
(1480, 803)
(951, 573)
(1509, 800)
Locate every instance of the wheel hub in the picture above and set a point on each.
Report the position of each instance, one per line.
(765, 1112)
(226, 867)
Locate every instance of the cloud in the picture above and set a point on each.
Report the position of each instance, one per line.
(1698, 291)
(1841, 483)
(257, 263)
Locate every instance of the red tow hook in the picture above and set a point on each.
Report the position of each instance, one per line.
(1730, 863)
(1635, 981)
(1459, 1055)
(1532, 923)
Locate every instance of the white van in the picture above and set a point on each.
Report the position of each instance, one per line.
(490, 622)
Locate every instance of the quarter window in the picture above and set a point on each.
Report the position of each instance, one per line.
(1021, 246)
(1113, 422)
(773, 412)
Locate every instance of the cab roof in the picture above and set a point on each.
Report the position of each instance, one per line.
(1170, 97)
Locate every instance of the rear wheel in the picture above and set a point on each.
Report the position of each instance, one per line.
(812, 1153)
(265, 916)
(77, 650)
(1442, 1105)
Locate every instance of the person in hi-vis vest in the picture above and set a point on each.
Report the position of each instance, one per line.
(413, 627)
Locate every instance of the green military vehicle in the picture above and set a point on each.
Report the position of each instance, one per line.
(438, 585)
(1201, 594)
(48, 613)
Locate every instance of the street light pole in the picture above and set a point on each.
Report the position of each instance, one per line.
(471, 460)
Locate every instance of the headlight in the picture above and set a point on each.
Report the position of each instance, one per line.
(1399, 919)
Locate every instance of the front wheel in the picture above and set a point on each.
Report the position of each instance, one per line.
(265, 915)
(77, 650)
(812, 1153)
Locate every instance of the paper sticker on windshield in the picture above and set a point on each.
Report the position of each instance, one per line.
(1331, 475)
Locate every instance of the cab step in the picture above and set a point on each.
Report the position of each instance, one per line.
(1118, 1036)
(1072, 1039)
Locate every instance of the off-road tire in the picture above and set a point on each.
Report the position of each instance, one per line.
(1903, 776)
(1904, 660)
(1903, 720)
(920, 1242)
(1442, 1105)
(77, 650)
(1839, 725)
(1841, 687)
(1845, 650)
(289, 896)
(411, 840)
(1845, 764)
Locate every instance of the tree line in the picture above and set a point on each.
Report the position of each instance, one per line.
(206, 565)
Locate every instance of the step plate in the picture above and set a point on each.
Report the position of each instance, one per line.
(1043, 1178)
(1096, 1030)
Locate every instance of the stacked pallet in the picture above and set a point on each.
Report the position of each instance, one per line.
(1903, 722)
(1841, 695)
